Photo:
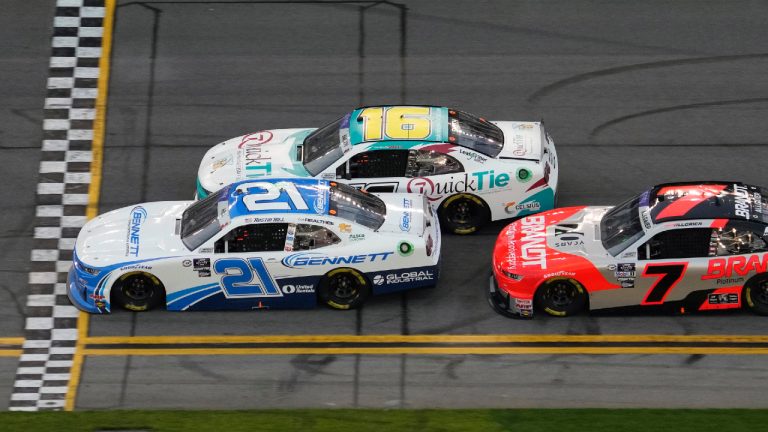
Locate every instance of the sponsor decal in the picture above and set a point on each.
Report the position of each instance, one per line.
(717, 299)
(133, 240)
(568, 236)
(186, 263)
(405, 219)
(408, 277)
(298, 289)
(729, 281)
(220, 163)
(719, 268)
(523, 175)
(136, 267)
(512, 246)
(625, 274)
(476, 157)
(356, 237)
(314, 221)
(206, 250)
(320, 202)
(685, 224)
(202, 264)
(533, 246)
(204, 273)
(405, 248)
(645, 217)
(345, 228)
(629, 283)
(741, 199)
(378, 280)
(513, 208)
(257, 161)
(560, 273)
(96, 296)
(305, 259)
(474, 182)
(524, 305)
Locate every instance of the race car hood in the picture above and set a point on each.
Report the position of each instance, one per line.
(405, 213)
(552, 241)
(134, 233)
(265, 153)
(522, 140)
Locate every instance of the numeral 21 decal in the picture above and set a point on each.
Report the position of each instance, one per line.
(407, 123)
(271, 197)
(668, 275)
(244, 279)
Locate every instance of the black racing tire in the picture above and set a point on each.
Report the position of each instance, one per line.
(343, 289)
(463, 213)
(138, 292)
(561, 297)
(755, 295)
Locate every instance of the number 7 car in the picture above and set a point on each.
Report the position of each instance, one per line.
(471, 169)
(256, 244)
(677, 247)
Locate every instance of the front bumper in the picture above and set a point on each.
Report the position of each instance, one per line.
(76, 291)
(506, 305)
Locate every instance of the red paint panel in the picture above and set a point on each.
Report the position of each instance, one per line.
(689, 197)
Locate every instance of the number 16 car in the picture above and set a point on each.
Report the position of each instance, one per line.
(677, 247)
(471, 169)
(256, 244)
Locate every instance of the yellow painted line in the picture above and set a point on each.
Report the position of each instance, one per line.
(10, 353)
(501, 338)
(427, 351)
(94, 189)
(11, 341)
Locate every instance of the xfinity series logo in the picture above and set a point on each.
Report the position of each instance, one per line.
(405, 221)
(308, 259)
(138, 216)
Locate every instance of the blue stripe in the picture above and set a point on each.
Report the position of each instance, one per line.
(184, 302)
(170, 298)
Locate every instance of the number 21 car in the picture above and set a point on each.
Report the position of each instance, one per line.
(677, 247)
(471, 169)
(256, 244)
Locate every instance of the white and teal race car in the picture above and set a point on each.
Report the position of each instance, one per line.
(471, 169)
(256, 244)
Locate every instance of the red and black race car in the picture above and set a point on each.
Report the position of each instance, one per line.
(680, 247)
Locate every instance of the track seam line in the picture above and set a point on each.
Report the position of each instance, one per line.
(67, 194)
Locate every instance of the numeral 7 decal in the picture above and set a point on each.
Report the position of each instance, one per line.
(668, 276)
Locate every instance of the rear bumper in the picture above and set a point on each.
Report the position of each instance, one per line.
(506, 305)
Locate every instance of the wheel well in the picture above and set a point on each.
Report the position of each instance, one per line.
(124, 276)
(756, 278)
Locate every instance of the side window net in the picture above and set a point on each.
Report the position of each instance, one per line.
(253, 238)
(679, 243)
(379, 163)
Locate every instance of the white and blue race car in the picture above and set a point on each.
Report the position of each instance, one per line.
(256, 244)
(471, 169)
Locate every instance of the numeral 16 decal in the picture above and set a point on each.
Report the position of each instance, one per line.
(271, 196)
(396, 123)
(245, 278)
(668, 275)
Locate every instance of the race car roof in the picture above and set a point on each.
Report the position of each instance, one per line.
(368, 123)
(271, 196)
(706, 200)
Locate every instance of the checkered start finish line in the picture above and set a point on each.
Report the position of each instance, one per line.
(45, 366)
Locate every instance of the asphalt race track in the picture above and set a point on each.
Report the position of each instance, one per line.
(633, 93)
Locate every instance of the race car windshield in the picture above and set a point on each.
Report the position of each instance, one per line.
(200, 221)
(359, 207)
(473, 132)
(322, 148)
(621, 226)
